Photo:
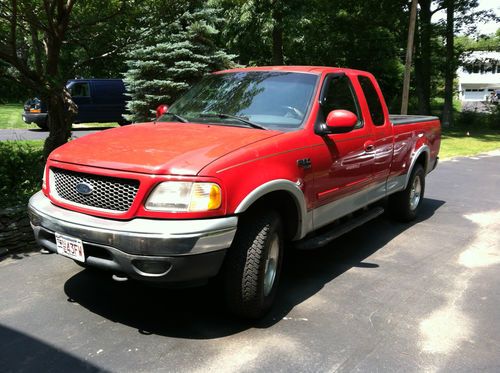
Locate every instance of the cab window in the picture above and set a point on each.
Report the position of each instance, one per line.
(339, 94)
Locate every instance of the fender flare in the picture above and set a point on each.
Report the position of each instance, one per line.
(278, 185)
(423, 149)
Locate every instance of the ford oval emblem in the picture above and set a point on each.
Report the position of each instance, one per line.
(84, 188)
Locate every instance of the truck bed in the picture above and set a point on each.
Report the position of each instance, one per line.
(398, 119)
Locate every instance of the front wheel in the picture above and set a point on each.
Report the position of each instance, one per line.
(404, 205)
(43, 125)
(253, 264)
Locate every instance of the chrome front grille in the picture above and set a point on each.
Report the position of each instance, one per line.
(106, 193)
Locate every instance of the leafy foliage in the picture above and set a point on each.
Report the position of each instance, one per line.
(21, 167)
(172, 61)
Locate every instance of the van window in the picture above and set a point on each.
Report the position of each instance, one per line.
(373, 100)
(80, 90)
(339, 95)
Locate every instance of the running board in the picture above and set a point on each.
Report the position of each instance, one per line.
(339, 230)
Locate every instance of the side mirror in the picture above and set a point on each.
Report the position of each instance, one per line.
(160, 110)
(341, 121)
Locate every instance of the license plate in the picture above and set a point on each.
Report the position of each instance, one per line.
(70, 246)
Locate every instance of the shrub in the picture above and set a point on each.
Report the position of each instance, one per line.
(487, 120)
(21, 168)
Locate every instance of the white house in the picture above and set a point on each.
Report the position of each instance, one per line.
(479, 75)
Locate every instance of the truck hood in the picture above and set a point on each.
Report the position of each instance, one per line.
(161, 148)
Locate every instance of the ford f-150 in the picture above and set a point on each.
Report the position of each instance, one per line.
(248, 164)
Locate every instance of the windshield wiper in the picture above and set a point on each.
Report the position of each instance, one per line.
(229, 116)
(178, 117)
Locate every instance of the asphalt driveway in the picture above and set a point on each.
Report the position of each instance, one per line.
(38, 134)
(385, 297)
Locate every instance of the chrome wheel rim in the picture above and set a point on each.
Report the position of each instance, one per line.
(271, 265)
(415, 193)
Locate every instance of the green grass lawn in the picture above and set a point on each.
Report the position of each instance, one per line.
(456, 143)
(10, 118)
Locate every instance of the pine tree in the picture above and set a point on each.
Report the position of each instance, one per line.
(163, 68)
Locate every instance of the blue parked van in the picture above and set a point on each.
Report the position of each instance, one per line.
(98, 100)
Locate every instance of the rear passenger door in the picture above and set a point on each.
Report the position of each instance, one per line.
(378, 119)
(345, 169)
(109, 100)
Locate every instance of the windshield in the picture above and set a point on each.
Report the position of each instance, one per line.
(274, 100)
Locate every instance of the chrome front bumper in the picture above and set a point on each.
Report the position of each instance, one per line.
(116, 244)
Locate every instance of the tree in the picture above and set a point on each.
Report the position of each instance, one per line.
(44, 42)
(162, 69)
(344, 33)
(429, 62)
(447, 118)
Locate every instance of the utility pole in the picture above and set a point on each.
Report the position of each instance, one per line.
(409, 53)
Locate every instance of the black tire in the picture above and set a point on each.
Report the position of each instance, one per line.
(43, 126)
(402, 205)
(247, 292)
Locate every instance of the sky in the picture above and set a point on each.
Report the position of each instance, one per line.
(482, 28)
(491, 27)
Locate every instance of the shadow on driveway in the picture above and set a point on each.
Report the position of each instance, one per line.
(23, 353)
(198, 313)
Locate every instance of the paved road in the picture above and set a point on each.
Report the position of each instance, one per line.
(37, 134)
(386, 297)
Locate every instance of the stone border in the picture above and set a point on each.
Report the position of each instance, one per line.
(16, 234)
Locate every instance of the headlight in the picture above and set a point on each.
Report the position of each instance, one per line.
(180, 196)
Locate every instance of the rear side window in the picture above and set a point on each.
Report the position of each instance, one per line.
(374, 104)
(339, 94)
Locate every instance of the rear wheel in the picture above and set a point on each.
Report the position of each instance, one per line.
(253, 264)
(404, 205)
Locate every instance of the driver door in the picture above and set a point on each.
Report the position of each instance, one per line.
(345, 169)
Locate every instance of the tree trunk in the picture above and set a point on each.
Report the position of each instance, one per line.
(447, 119)
(62, 110)
(277, 14)
(423, 66)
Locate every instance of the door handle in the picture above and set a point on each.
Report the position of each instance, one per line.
(369, 146)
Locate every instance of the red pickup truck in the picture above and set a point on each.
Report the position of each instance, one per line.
(248, 164)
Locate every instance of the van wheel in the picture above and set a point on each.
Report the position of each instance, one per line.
(253, 264)
(404, 205)
(43, 126)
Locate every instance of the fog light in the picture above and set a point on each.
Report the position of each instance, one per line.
(153, 267)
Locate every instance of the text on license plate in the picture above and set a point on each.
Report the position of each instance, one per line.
(70, 246)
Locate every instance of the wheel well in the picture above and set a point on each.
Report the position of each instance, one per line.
(284, 203)
(422, 160)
